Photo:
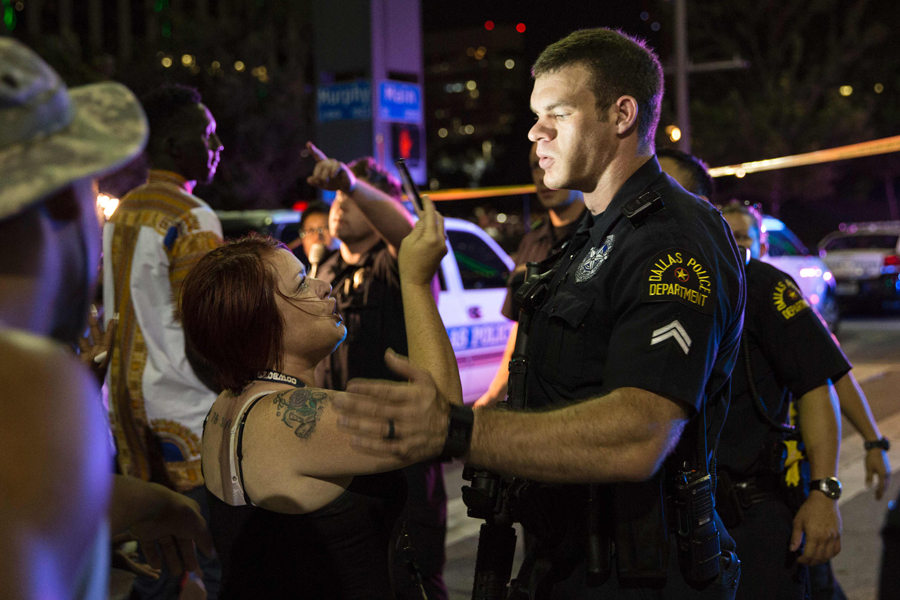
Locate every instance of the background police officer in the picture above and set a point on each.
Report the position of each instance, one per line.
(629, 352)
(791, 355)
(805, 351)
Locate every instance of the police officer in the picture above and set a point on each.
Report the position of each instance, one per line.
(800, 354)
(565, 210)
(630, 351)
(791, 355)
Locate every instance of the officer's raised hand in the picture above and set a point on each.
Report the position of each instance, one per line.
(330, 174)
(819, 520)
(408, 420)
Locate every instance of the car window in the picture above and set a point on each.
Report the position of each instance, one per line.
(862, 242)
(782, 245)
(479, 266)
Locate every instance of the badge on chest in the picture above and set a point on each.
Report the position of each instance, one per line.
(594, 260)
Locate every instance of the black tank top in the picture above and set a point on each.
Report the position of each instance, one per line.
(340, 551)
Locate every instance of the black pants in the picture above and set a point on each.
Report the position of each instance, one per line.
(823, 585)
(425, 515)
(889, 584)
(768, 569)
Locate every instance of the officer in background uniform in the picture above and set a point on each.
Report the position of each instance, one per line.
(565, 210)
(791, 356)
(691, 173)
(630, 353)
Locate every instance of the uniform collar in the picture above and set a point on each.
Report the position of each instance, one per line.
(631, 189)
(546, 229)
(170, 177)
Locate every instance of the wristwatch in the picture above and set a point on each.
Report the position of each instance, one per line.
(830, 486)
(882, 443)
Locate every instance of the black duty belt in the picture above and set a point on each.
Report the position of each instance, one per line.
(754, 490)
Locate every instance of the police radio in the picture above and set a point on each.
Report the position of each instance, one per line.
(697, 534)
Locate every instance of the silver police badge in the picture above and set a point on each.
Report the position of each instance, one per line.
(595, 258)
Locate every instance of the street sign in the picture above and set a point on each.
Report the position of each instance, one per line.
(400, 102)
(344, 101)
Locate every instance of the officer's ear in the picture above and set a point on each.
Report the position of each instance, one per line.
(625, 114)
(763, 247)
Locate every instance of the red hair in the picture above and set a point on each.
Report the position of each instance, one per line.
(228, 312)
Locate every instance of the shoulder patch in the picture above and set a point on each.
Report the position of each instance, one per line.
(676, 275)
(788, 300)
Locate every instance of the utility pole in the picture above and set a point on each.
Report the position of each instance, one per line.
(682, 98)
(683, 67)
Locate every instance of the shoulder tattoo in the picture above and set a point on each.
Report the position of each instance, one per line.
(300, 410)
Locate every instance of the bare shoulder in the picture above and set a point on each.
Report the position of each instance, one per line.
(53, 423)
(37, 375)
(300, 409)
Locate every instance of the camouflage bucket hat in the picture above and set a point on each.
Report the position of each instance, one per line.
(51, 136)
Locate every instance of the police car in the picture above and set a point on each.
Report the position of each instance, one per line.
(865, 260)
(813, 276)
(473, 279)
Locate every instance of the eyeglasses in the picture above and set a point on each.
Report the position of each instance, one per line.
(317, 231)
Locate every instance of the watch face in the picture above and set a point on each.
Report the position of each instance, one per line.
(831, 486)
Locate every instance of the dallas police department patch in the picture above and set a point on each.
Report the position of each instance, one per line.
(788, 300)
(596, 257)
(676, 275)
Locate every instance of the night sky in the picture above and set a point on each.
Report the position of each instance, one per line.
(547, 22)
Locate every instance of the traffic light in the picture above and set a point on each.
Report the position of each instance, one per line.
(405, 143)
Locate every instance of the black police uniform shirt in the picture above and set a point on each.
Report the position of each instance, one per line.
(537, 245)
(368, 298)
(655, 305)
(791, 353)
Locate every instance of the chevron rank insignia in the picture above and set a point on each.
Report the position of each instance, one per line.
(788, 300)
(672, 331)
(676, 275)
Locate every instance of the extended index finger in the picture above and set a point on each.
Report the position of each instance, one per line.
(316, 153)
(427, 214)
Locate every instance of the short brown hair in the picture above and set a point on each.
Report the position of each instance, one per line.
(620, 65)
(228, 311)
(736, 207)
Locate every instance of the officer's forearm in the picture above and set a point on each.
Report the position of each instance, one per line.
(429, 346)
(623, 436)
(856, 408)
(385, 214)
(820, 427)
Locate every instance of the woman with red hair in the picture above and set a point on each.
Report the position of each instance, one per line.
(295, 510)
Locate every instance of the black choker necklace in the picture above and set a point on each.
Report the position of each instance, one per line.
(280, 378)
